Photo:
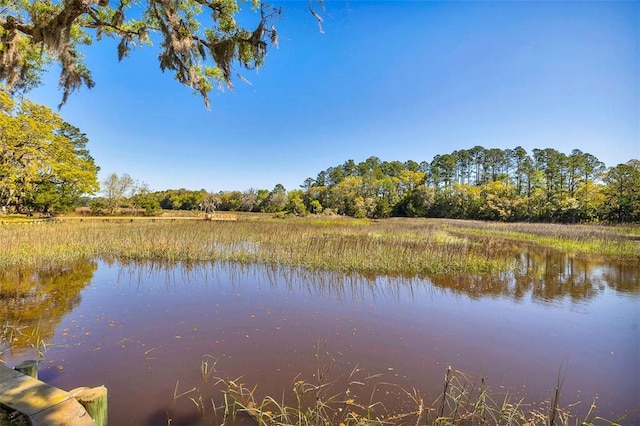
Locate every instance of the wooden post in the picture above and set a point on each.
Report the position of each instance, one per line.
(94, 400)
(28, 368)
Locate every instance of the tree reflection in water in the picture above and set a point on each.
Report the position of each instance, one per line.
(263, 321)
(33, 302)
(547, 275)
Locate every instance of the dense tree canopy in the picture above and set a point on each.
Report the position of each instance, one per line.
(478, 183)
(199, 41)
(44, 162)
(481, 183)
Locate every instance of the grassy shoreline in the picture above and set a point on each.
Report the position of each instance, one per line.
(394, 247)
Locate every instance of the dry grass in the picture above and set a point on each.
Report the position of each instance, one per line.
(342, 245)
(396, 247)
(357, 401)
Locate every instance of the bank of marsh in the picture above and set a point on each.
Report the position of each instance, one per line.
(386, 247)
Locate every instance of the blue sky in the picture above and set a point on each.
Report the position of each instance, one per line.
(400, 80)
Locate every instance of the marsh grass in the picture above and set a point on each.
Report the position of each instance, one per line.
(15, 218)
(589, 240)
(349, 246)
(359, 401)
(394, 247)
(32, 339)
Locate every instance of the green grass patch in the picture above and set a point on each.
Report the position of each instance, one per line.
(608, 242)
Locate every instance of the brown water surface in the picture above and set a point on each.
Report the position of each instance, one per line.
(142, 330)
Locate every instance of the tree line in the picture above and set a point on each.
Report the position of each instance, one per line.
(483, 183)
(479, 183)
(122, 194)
(45, 167)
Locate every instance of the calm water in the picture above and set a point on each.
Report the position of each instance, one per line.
(143, 330)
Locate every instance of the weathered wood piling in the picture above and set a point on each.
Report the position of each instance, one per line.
(94, 400)
(46, 405)
(28, 368)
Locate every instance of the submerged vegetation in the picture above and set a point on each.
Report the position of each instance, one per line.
(396, 247)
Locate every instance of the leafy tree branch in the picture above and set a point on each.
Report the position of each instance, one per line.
(199, 41)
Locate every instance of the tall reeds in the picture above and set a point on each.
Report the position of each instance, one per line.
(387, 247)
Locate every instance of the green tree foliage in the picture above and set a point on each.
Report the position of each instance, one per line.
(44, 162)
(622, 193)
(372, 188)
(181, 199)
(480, 183)
(295, 203)
(230, 201)
(276, 201)
(199, 41)
(141, 198)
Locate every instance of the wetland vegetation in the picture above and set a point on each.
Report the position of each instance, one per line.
(397, 247)
(364, 286)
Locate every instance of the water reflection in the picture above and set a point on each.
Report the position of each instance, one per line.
(623, 278)
(35, 299)
(543, 275)
(32, 303)
(340, 287)
(264, 324)
(139, 328)
(547, 276)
